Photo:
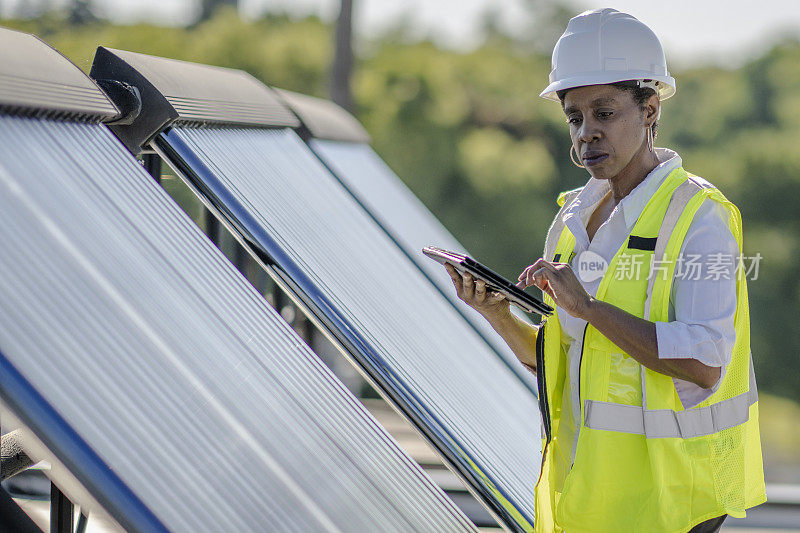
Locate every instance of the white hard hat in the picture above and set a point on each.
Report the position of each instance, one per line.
(606, 46)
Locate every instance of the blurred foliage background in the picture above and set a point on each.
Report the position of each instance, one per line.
(468, 133)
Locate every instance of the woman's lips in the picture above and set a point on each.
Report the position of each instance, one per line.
(592, 158)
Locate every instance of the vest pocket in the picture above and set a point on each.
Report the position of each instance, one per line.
(595, 373)
(626, 387)
(611, 377)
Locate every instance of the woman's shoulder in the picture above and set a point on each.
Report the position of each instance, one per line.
(710, 231)
(702, 183)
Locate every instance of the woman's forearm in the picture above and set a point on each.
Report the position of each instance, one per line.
(637, 337)
(519, 335)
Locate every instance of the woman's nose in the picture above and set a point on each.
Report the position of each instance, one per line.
(589, 131)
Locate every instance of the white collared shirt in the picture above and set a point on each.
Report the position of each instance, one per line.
(701, 310)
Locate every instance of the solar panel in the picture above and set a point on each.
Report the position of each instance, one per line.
(341, 142)
(408, 338)
(385, 195)
(156, 374)
(409, 222)
(322, 119)
(356, 283)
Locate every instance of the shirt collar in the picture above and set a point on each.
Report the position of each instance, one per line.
(633, 204)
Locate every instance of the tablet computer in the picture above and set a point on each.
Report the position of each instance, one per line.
(494, 281)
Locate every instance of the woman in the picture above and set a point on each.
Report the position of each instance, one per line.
(645, 375)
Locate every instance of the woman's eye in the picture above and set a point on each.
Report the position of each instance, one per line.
(573, 120)
(604, 114)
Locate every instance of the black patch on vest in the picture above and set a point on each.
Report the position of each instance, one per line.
(557, 258)
(642, 243)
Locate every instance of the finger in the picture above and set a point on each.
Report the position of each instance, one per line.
(541, 278)
(553, 267)
(480, 291)
(529, 279)
(525, 278)
(468, 286)
(525, 272)
(456, 277)
(528, 268)
(547, 281)
(538, 265)
(548, 289)
(558, 272)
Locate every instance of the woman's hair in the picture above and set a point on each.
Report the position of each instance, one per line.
(640, 95)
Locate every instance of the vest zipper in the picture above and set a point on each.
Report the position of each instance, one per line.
(578, 420)
(544, 405)
(580, 362)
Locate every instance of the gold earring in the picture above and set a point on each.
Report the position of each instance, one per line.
(573, 157)
(650, 138)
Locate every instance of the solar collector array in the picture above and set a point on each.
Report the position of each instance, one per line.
(175, 371)
(163, 381)
(345, 271)
(409, 336)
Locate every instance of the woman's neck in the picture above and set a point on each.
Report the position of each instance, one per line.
(633, 174)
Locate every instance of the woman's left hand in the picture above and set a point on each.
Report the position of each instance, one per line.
(559, 281)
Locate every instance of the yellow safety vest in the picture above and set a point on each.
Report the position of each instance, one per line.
(640, 461)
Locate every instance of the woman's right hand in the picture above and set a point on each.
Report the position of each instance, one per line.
(491, 304)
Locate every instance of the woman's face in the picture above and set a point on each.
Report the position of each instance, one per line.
(608, 128)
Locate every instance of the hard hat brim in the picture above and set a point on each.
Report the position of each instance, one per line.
(667, 83)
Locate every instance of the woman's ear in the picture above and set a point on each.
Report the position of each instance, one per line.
(652, 109)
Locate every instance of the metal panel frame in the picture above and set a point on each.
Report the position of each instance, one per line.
(36, 80)
(173, 91)
(138, 71)
(323, 119)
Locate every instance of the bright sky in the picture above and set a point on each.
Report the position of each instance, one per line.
(692, 31)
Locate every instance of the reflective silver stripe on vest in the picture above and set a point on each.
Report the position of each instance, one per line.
(666, 423)
(680, 198)
(678, 202)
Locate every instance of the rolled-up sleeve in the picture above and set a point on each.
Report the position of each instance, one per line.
(703, 297)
